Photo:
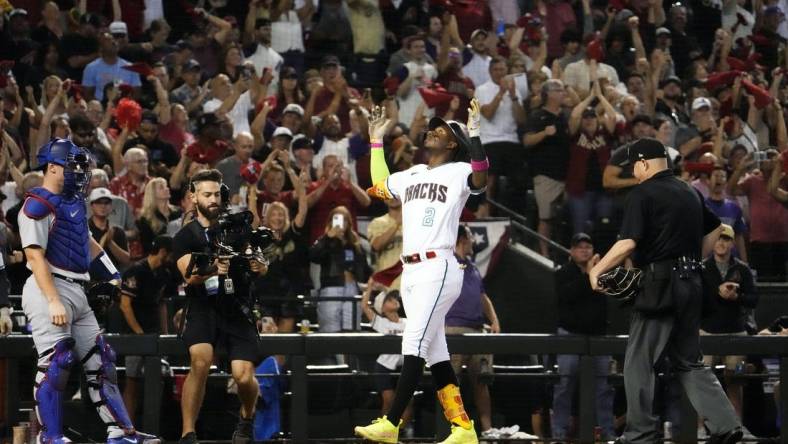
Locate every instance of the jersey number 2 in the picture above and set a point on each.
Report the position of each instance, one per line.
(429, 217)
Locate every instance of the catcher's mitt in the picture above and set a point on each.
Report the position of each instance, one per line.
(620, 283)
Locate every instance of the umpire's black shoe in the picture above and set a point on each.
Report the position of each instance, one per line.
(731, 437)
(189, 438)
(243, 432)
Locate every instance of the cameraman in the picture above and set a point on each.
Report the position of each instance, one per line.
(215, 315)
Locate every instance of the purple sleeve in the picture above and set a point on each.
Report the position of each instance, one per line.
(467, 55)
(358, 146)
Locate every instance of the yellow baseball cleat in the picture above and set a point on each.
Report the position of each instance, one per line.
(461, 435)
(381, 430)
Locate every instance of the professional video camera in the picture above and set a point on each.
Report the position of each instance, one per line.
(232, 237)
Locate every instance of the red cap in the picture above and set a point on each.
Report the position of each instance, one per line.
(251, 172)
(595, 49)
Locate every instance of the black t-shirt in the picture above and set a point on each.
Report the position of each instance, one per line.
(147, 234)
(147, 289)
(667, 219)
(119, 237)
(288, 272)
(594, 176)
(550, 157)
(159, 151)
(76, 45)
(194, 238)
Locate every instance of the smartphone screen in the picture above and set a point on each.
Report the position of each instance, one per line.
(338, 221)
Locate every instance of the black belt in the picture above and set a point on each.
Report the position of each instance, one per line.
(71, 280)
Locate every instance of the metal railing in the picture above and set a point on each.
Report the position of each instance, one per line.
(299, 347)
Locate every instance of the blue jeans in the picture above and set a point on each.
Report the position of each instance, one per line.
(564, 391)
(591, 206)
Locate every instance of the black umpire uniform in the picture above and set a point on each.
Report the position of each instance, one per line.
(667, 220)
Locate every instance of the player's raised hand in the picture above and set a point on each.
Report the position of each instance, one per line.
(378, 123)
(57, 313)
(474, 118)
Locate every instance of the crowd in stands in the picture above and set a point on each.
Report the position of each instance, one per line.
(276, 94)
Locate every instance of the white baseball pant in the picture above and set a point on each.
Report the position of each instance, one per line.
(428, 291)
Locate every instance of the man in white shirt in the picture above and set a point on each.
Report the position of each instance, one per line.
(233, 100)
(577, 76)
(264, 55)
(420, 74)
(477, 58)
(502, 110)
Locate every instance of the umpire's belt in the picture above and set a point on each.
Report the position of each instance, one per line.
(415, 258)
(71, 280)
(684, 265)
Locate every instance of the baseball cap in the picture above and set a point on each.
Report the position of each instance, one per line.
(192, 65)
(642, 118)
(118, 28)
(282, 131)
(301, 141)
(589, 112)
(624, 15)
(727, 231)
(380, 299)
(161, 241)
(294, 108)
(773, 10)
(288, 72)
(180, 45)
(329, 60)
(98, 194)
(669, 80)
(700, 102)
(580, 237)
(16, 12)
(455, 127)
(207, 119)
(478, 32)
(645, 149)
(663, 31)
(90, 19)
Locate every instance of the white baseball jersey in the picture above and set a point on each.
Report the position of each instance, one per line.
(432, 201)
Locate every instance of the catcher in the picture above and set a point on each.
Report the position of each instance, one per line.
(665, 221)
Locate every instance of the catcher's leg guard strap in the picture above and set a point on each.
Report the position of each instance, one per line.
(51, 380)
(102, 379)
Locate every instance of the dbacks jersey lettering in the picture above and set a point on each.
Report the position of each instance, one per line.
(432, 201)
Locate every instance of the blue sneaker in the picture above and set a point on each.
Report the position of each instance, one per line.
(134, 438)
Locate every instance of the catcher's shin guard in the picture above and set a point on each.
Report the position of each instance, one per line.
(54, 368)
(102, 379)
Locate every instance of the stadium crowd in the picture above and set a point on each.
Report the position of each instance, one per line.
(276, 95)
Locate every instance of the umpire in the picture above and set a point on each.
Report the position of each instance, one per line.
(665, 221)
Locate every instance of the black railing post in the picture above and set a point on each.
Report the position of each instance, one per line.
(12, 391)
(299, 414)
(784, 399)
(153, 394)
(587, 407)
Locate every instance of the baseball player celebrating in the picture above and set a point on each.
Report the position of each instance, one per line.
(63, 257)
(432, 199)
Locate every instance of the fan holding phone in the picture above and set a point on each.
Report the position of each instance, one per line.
(342, 265)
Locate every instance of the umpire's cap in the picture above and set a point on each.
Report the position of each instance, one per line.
(456, 129)
(645, 149)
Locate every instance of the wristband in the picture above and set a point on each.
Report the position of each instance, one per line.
(376, 145)
(479, 166)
